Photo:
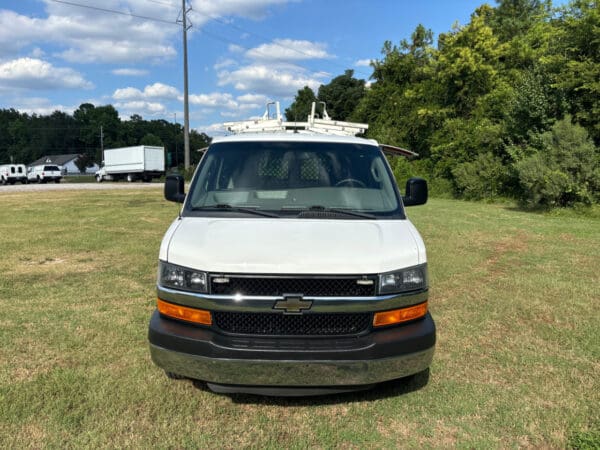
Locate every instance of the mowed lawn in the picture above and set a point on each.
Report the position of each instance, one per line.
(515, 296)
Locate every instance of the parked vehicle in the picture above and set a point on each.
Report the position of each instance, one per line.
(292, 268)
(11, 173)
(141, 162)
(44, 173)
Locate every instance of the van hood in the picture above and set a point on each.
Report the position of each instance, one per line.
(292, 246)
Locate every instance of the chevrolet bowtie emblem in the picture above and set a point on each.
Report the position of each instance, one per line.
(292, 304)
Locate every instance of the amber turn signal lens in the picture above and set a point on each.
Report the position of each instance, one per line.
(394, 316)
(184, 313)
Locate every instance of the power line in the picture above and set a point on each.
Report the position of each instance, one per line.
(114, 11)
(207, 33)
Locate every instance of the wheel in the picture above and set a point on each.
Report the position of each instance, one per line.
(130, 178)
(3, 181)
(351, 181)
(57, 181)
(99, 178)
(25, 181)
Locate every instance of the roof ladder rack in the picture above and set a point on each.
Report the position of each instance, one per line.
(324, 125)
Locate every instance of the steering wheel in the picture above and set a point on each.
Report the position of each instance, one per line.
(351, 181)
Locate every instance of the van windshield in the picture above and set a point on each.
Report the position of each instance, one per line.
(293, 178)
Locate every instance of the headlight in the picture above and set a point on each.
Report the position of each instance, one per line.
(410, 279)
(177, 277)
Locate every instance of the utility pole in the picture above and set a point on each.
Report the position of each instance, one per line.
(186, 111)
(176, 159)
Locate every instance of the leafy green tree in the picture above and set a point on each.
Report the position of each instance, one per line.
(578, 59)
(341, 95)
(514, 18)
(83, 162)
(299, 110)
(401, 105)
(151, 139)
(468, 62)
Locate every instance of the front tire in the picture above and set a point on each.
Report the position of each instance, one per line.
(130, 178)
(99, 178)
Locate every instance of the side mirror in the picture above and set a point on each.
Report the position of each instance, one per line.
(174, 188)
(416, 192)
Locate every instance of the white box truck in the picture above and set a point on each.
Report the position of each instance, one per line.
(142, 162)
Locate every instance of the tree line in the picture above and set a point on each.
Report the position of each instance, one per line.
(506, 105)
(27, 137)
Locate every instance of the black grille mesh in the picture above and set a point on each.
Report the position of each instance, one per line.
(318, 287)
(292, 325)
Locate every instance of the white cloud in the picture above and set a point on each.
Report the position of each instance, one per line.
(224, 63)
(363, 63)
(234, 48)
(153, 91)
(127, 72)
(288, 50)
(214, 100)
(32, 73)
(214, 129)
(86, 35)
(37, 53)
(268, 81)
(256, 9)
(41, 106)
(252, 102)
(143, 108)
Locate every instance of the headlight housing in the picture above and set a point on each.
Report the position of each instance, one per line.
(405, 280)
(177, 277)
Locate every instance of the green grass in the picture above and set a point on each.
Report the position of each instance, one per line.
(515, 296)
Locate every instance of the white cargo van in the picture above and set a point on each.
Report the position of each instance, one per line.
(44, 173)
(292, 268)
(11, 173)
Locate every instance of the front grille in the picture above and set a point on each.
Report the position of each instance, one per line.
(278, 286)
(292, 325)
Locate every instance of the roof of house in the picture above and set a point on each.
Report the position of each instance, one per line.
(59, 160)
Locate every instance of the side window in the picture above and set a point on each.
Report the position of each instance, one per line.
(12, 170)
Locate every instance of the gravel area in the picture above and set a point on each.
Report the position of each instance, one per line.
(77, 186)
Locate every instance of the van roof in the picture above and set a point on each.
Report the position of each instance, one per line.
(293, 137)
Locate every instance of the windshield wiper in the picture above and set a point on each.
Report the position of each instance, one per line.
(227, 207)
(348, 212)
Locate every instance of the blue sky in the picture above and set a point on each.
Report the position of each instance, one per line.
(242, 53)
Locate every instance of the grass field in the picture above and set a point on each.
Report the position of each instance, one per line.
(515, 296)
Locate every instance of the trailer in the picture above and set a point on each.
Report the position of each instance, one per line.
(141, 162)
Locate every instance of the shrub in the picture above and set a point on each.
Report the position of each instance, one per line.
(564, 171)
(481, 178)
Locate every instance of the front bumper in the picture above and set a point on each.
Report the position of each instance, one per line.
(204, 354)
